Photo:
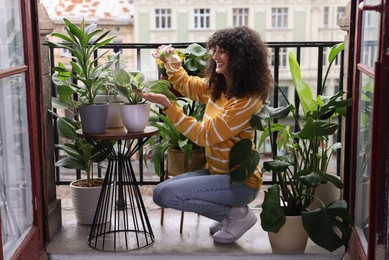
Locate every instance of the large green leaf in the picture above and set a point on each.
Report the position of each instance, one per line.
(335, 50)
(67, 128)
(329, 227)
(304, 92)
(314, 128)
(272, 215)
(276, 165)
(243, 161)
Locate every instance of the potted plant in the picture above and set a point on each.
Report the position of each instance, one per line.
(83, 42)
(79, 154)
(173, 146)
(108, 93)
(135, 111)
(300, 169)
(304, 164)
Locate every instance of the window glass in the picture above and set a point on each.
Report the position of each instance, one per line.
(15, 173)
(365, 121)
(202, 18)
(11, 37)
(163, 18)
(370, 31)
(279, 18)
(240, 16)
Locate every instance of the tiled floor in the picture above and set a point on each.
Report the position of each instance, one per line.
(71, 242)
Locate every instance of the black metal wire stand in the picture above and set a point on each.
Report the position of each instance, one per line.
(121, 222)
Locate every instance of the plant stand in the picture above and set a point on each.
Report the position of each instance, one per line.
(120, 208)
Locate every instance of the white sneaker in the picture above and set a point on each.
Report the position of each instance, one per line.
(215, 227)
(235, 227)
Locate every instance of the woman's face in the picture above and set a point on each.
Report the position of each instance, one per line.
(221, 58)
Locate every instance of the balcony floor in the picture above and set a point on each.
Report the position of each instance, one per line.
(71, 241)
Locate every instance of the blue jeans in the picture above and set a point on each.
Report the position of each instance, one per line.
(211, 196)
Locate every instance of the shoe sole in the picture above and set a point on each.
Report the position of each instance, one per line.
(250, 224)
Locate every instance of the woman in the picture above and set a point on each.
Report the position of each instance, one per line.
(236, 85)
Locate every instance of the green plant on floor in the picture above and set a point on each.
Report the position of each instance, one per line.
(304, 164)
(170, 138)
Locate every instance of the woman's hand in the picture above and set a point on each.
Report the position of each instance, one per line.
(157, 54)
(155, 98)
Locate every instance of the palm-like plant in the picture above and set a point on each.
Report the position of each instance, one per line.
(82, 42)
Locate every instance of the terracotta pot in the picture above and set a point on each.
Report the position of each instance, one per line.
(177, 162)
(135, 117)
(291, 238)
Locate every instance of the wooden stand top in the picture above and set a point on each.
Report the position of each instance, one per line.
(119, 133)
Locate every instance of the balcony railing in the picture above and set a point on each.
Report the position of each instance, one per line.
(311, 56)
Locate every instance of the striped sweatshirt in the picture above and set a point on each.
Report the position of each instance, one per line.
(225, 122)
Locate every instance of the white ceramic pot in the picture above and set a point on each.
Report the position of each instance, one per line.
(84, 201)
(291, 238)
(135, 117)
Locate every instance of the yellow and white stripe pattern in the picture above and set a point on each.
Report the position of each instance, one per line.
(225, 122)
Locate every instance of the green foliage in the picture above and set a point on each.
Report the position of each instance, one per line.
(127, 81)
(304, 164)
(195, 59)
(82, 42)
(170, 137)
(243, 161)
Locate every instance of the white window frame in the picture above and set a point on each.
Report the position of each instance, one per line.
(326, 16)
(240, 16)
(279, 17)
(283, 57)
(163, 18)
(202, 18)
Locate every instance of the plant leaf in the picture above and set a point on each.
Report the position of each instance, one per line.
(329, 227)
(272, 215)
(243, 161)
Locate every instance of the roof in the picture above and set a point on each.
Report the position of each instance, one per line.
(102, 11)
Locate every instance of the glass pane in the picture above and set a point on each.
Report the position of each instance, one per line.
(11, 37)
(365, 120)
(15, 172)
(370, 30)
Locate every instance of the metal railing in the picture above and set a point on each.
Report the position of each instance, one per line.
(279, 54)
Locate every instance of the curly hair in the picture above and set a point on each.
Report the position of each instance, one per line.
(248, 64)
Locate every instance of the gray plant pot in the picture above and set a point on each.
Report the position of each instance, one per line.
(94, 118)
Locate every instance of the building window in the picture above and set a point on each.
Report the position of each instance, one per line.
(202, 18)
(163, 18)
(283, 57)
(326, 17)
(279, 17)
(240, 16)
(340, 12)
